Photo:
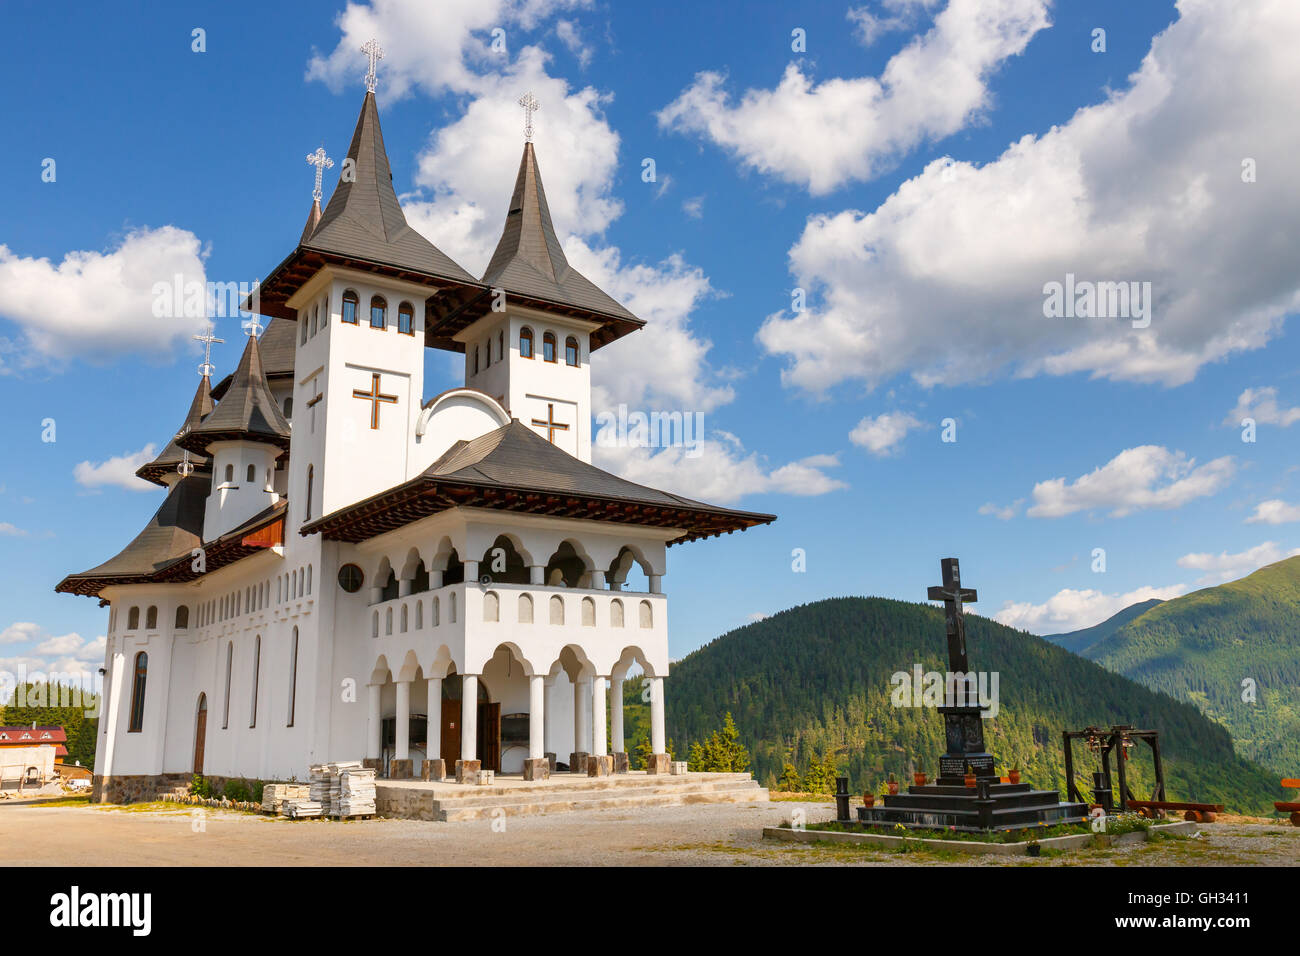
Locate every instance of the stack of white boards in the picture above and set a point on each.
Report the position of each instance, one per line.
(319, 788)
(356, 793)
(302, 809)
(275, 795)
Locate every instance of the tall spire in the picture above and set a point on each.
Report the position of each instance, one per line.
(247, 410)
(529, 260)
(172, 456)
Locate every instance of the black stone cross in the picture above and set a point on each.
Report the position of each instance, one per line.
(952, 594)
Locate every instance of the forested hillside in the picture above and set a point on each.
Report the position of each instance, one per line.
(1079, 641)
(1219, 647)
(815, 680)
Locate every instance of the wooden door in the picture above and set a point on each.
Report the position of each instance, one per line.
(489, 736)
(450, 733)
(200, 733)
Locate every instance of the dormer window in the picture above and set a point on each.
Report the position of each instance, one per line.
(406, 319)
(378, 313)
(548, 347)
(351, 303)
(526, 343)
(571, 351)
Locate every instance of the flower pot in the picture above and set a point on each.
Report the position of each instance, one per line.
(893, 789)
(1014, 776)
(868, 799)
(919, 778)
(970, 780)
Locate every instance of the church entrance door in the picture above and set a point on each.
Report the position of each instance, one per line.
(200, 733)
(488, 736)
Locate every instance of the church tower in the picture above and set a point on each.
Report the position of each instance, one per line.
(532, 351)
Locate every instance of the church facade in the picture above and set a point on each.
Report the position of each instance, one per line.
(344, 567)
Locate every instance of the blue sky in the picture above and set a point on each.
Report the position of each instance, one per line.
(921, 169)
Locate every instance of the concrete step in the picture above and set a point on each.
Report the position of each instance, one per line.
(475, 797)
(455, 812)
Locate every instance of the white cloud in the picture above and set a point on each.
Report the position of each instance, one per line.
(1070, 609)
(11, 531)
(1274, 511)
(757, 616)
(944, 280)
(901, 16)
(45, 653)
(116, 472)
(1148, 476)
(719, 471)
(883, 434)
(694, 207)
(20, 632)
(571, 36)
(1228, 567)
(99, 305)
(822, 135)
(1261, 405)
(1002, 512)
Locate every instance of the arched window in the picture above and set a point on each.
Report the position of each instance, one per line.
(230, 474)
(491, 606)
(378, 312)
(526, 343)
(406, 319)
(311, 480)
(388, 621)
(404, 619)
(293, 674)
(525, 609)
(309, 580)
(476, 360)
(487, 352)
(182, 617)
(646, 614)
(588, 612)
(133, 619)
(374, 624)
(288, 408)
(257, 667)
(137, 693)
(616, 613)
(452, 618)
(268, 479)
(225, 710)
(252, 474)
(351, 305)
(302, 338)
(548, 347)
(557, 609)
(419, 615)
(151, 618)
(433, 612)
(315, 315)
(501, 345)
(571, 351)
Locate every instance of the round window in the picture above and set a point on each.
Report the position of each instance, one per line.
(350, 578)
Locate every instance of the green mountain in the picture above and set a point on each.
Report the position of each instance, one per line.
(1210, 646)
(1078, 642)
(815, 680)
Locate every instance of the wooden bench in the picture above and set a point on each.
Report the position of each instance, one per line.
(1292, 808)
(1199, 812)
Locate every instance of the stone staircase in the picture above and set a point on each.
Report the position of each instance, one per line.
(450, 802)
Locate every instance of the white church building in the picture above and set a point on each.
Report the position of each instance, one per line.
(344, 567)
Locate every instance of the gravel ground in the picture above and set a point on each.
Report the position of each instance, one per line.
(719, 834)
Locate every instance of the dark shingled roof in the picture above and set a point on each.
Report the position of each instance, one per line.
(529, 260)
(247, 411)
(174, 531)
(278, 351)
(173, 454)
(313, 220)
(513, 468)
(363, 217)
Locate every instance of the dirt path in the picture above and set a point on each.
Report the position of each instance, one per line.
(659, 836)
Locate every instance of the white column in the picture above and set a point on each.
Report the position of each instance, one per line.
(582, 716)
(471, 572)
(403, 747)
(376, 595)
(657, 741)
(435, 580)
(616, 716)
(598, 580)
(656, 583)
(469, 717)
(404, 587)
(598, 727)
(536, 717)
(536, 574)
(434, 749)
(373, 723)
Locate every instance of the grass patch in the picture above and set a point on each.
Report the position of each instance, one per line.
(64, 802)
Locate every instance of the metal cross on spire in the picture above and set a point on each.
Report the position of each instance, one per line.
(375, 52)
(207, 338)
(322, 163)
(251, 326)
(531, 106)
